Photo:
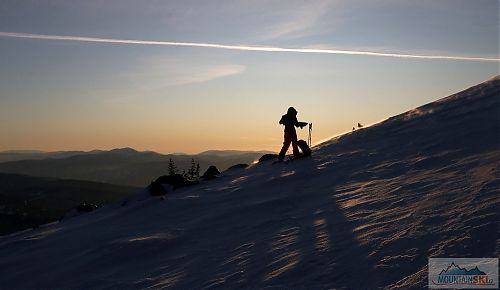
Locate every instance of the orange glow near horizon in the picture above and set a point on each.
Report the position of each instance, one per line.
(152, 140)
(176, 132)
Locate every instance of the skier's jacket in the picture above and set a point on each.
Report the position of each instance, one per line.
(290, 122)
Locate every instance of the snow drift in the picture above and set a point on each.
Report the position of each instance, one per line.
(366, 210)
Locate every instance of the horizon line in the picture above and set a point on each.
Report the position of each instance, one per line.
(41, 151)
(242, 47)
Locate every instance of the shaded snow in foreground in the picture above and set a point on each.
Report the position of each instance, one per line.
(366, 211)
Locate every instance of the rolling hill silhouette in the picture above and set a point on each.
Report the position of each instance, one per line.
(27, 201)
(124, 166)
(16, 155)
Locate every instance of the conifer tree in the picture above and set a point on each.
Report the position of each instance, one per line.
(198, 170)
(171, 167)
(192, 170)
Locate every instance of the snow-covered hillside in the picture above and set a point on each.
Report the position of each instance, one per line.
(366, 211)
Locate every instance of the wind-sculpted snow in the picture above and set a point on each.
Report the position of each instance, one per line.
(365, 211)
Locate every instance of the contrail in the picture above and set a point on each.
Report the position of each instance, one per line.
(240, 47)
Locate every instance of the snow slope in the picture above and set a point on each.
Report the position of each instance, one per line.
(366, 211)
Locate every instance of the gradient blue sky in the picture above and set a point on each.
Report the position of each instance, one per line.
(62, 95)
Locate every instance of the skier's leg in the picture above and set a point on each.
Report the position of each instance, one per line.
(284, 149)
(296, 152)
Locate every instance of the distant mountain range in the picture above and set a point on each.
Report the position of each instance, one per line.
(124, 166)
(27, 201)
(16, 155)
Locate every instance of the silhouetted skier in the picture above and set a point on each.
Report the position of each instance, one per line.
(290, 122)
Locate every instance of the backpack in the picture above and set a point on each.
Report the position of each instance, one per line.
(306, 151)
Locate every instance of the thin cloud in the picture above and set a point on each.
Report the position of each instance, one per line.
(166, 73)
(155, 75)
(242, 47)
(299, 21)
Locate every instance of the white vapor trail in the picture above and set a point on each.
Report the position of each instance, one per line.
(239, 47)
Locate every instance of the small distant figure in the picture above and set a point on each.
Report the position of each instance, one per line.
(290, 122)
(360, 126)
(353, 128)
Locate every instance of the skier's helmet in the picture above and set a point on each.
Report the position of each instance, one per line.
(292, 111)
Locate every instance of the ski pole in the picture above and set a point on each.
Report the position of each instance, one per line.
(310, 134)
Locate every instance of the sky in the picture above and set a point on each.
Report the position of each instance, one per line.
(63, 93)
